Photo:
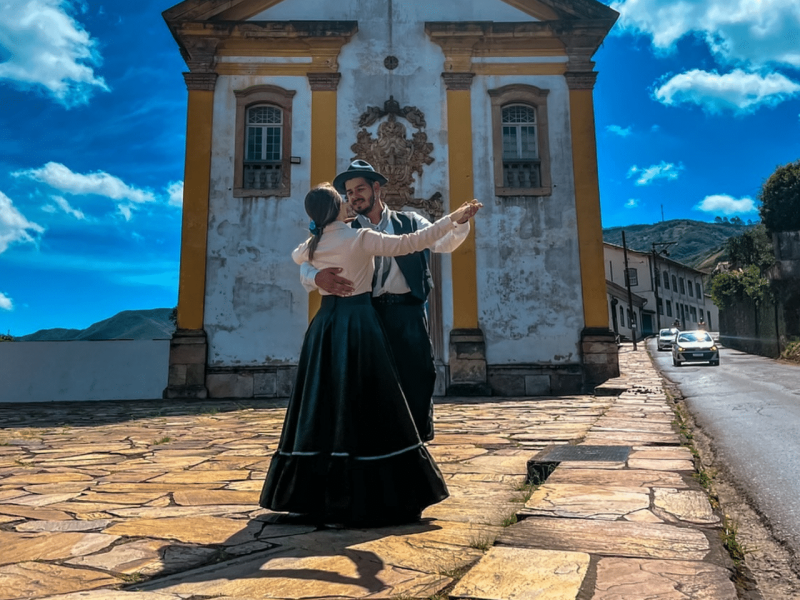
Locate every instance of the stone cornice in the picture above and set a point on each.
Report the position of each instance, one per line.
(581, 80)
(200, 81)
(458, 81)
(324, 82)
(526, 39)
(202, 42)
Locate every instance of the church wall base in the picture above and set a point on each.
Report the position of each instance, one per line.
(187, 365)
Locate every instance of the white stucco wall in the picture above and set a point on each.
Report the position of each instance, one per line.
(256, 310)
(528, 268)
(76, 370)
(529, 288)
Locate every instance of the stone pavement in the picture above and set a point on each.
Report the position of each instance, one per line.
(158, 501)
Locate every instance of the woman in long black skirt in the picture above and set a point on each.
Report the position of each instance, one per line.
(349, 451)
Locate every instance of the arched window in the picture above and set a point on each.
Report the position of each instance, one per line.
(263, 142)
(666, 280)
(520, 141)
(521, 167)
(262, 161)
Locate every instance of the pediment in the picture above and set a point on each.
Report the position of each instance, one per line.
(243, 10)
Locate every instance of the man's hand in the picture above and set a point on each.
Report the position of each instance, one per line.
(470, 208)
(328, 280)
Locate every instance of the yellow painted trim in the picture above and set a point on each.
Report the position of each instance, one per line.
(197, 176)
(273, 69)
(323, 155)
(587, 201)
(459, 150)
(519, 68)
(534, 9)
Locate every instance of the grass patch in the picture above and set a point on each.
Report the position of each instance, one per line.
(737, 550)
(132, 577)
(509, 520)
(163, 440)
(525, 492)
(483, 542)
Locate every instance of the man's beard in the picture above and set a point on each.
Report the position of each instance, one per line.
(369, 205)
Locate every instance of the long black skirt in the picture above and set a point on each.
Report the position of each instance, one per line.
(349, 450)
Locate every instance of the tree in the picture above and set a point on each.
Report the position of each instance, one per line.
(780, 199)
(736, 221)
(735, 285)
(717, 219)
(753, 247)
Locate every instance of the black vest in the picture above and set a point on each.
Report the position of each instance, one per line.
(414, 267)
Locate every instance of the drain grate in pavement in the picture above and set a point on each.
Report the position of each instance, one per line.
(544, 463)
(584, 453)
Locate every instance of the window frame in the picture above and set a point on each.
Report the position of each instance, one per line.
(269, 95)
(535, 98)
(666, 280)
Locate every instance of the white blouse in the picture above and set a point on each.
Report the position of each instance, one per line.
(353, 249)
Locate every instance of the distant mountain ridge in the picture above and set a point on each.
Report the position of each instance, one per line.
(700, 245)
(150, 324)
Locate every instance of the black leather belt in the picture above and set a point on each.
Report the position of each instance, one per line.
(395, 299)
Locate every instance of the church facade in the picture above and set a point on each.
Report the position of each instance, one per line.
(487, 99)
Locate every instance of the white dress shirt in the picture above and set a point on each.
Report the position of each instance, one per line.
(395, 282)
(354, 249)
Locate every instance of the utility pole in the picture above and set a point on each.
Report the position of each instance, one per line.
(656, 279)
(630, 295)
(655, 288)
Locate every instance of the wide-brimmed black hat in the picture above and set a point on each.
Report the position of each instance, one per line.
(357, 168)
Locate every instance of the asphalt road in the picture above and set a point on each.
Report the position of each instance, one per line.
(750, 407)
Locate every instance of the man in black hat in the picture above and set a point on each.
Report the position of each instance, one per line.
(400, 286)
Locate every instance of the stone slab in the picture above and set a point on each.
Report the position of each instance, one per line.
(587, 501)
(23, 547)
(216, 497)
(340, 574)
(617, 478)
(632, 579)
(147, 557)
(661, 465)
(689, 506)
(524, 574)
(63, 526)
(34, 580)
(159, 512)
(193, 530)
(218, 476)
(617, 538)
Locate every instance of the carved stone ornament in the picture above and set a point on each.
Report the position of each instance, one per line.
(396, 156)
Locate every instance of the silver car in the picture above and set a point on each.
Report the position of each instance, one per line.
(694, 346)
(665, 338)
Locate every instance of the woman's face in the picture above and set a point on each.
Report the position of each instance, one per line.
(345, 210)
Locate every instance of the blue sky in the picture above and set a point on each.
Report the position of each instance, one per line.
(696, 104)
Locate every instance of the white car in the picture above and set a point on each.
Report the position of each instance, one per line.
(694, 346)
(665, 338)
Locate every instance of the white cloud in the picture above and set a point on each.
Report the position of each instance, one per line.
(620, 131)
(5, 302)
(737, 91)
(61, 178)
(65, 207)
(664, 170)
(727, 205)
(49, 49)
(756, 32)
(632, 203)
(175, 193)
(14, 227)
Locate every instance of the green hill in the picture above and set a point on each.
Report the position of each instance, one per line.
(151, 324)
(699, 244)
